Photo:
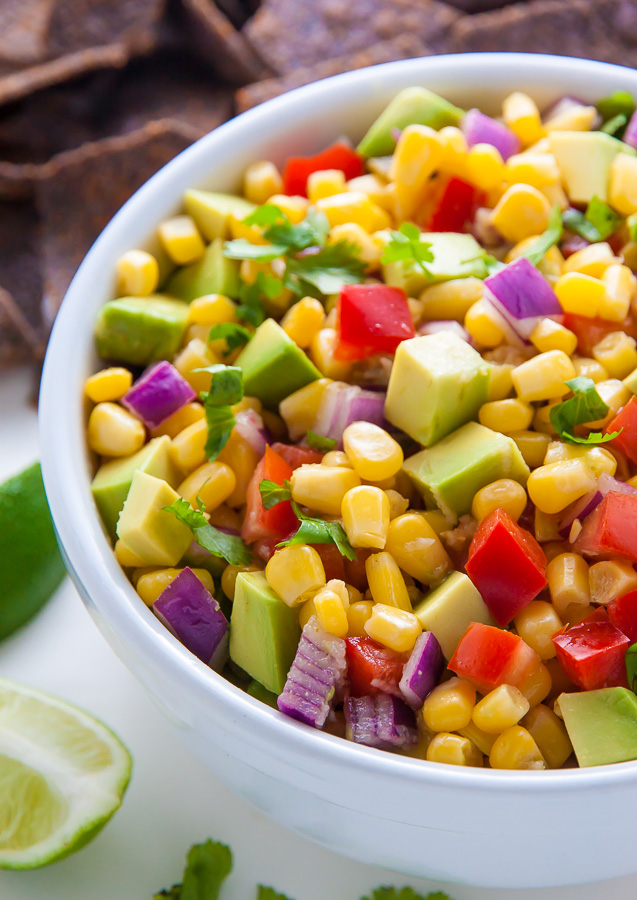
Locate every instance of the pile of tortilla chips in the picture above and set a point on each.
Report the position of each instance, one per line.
(96, 95)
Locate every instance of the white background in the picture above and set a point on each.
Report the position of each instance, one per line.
(173, 801)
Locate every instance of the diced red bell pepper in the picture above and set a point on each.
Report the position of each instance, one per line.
(611, 529)
(592, 654)
(488, 657)
(297, 456)
(622, 612)
(590, 331)
(626, 422)
(278, 522)
(265, 549)
(371, 318)
(454, 208)
(338, 156)
(373, 669)
(506, 564)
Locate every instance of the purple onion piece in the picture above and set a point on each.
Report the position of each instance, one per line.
(422, 670)
(561, 105)
(522, 296)
(586, 504)
(606, 483)
(343, 404)
(249, 424)
(317, 673)
(158, 393)
(380, 721)
(630, 135)
(192, 614)
(437, 325)
(481, 129)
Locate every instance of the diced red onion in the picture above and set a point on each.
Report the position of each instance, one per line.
(573, 244)
(158, 393)
(422, 670)
(249, 425)
(606, 483)
(188, 610)
(481, 129)
(437, 325)
(317, 673)
(522, 296)
(586, 504)
(380, 721)
(342, 404)
(630, 135)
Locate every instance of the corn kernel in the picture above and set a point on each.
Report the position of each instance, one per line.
(126, 557)
(212, 309)
(365, 512)
(112, 431)
(543, 376)
(212, 483)
(501, 383)
(181, 240)
(417, 549)
(567, 576)
(261, 180)
(620, 285)
(137, 273)
(394, 628)
(358, 614)
(506, 415)
(482, 325)
(572, 117)
(370, 248)
(397, 503)
(416, 156)
(229, 578)
(500, 709)
(553, 487)
(449, 706)
(532, 446)
(579, 293)
(196, 355)
(303, 321)
(242, 459)
(299, 409)
(182, 418)
(537, 685)
(322, 355)
(108, 384)
(521, 212)
(386, 583)
(522, 116)
(325, 183)
(295, 571)
(516, 749)
(550, 735)
(150, 585)
(189, 446)
(322, 488)
(373, 186)
(450, 299)
(536, 624)
(622, 188)
(615, 394)
(454, 750)
(373, 453)
(483, 741)
(610, 579)
(455, 151)
(533, 168)
(546, 527)
(225, 517)
(331, 612)
(485, 167)
(596, 458)
(617, 352)
(593, 260)
(503, 494)
(550, 335)
(542, 419)
(351, 206)
(295, 208)
(589, 368)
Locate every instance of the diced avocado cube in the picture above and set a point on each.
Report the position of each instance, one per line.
(257, 691)
(450, 608)
(140, 330)
(274, 366)
(450, 473)
(264, 631)
(212, 211)
(437, 383)
(147, 528)
(214, 273)
(602, 725)
(585, 158)
(412, 106)
(113, 479)
(455, 256)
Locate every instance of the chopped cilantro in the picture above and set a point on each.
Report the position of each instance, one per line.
(631, 667)
(405, 244)
(318, 442)
(251, 296)
(596, 224)
(267, 214)
(621, 103)
(207, 867)
(225, 546)
(226, 389)
(220, 421)
(406, 893)
(273, 493)
(268, 893)
(615, 125)
(325, 271)
(631, 224)
(233, 334)
(540, 247)
(584, 406)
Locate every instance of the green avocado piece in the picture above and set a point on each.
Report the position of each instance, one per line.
(212, 211)
(450, 608)
(450, 473)
(602, 725)
(140, 330)
(146, 527)
(214, 273)
(264, 631)
(412, 106)
(113, 479)
(274, 366)
(437, 383)
(585, 158)
(455, 256)
(260, 693)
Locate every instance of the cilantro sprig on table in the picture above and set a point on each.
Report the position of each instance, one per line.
(596, 224)
(405, 244)
(225, 546)
(584, 406)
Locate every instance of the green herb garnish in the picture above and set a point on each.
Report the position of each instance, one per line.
(273, 493)
(225, 546)
(268, 893)
(584, 406)
(539, 248)
(615, 125)
(621, 103)
(207, 867)
(596, 224)
(631, 667)
(234, 335)
(405, 244)
(406, 893)
(318, 442)
(226, 389)
(631, 224)
(251, 296)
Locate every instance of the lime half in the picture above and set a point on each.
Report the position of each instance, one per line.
(62, 776)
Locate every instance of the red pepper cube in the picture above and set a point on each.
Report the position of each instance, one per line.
(507, 565)
(261, 523)
(338, 156)
(626, 422)
(373, 669)
(372, 318)
(297, 456)
(454, 207)
(592, 655)
(591, 331)
(488, 657)
(611, 529)
(622, 612)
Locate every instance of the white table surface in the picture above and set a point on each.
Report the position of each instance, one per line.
(172, 801)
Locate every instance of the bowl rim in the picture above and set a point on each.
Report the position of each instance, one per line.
(91, 561)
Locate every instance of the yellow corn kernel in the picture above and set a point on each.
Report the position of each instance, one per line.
(295, 571)
(450, 299)
(553, 487)
(500, 709)
(358, 614)
(369, 247)
(261, 180)
(417, 155)
(622, 188)
(550, 735)
(521, 212)
(617, 352)
(542, 419)
(182, 418)
(108, 384)
(501, 383)
(615, 394)
(212, 309)
(295, 208)
(550, 335)
(229, 578)
(137, 273)
(373, 453)
(522, 116)
(482, 325)
(454, 151)
(543, 376)
(386, 582)
(485, 167)
(325, 183)
(299, 409)
(572, 117)
(212, 483)
(596, 458)
(579, 293)
(620, 285)
(537, 685)
(303, 321)
(536, 169)
(454, 750)
(506, 415)
(365, 512)
(503, 494)
(248, 403)
(150, 585)
(397, 503)
(181, 240)
(393, 627)
(449, 706)
(322, 355)
(532, 446)
(610, 579)
(482, 740)
(546, 527)
(351, 206)
(593, 260)
(336, 458)
(112, 431)
(322, 488)
(567, 576)
(372, 185)
(331, 612)
(416, 547)
(589, 368)
(196, 355)
(126, 557)
(225, 517)
(516, 749)
(536, 624)
(189, 446)
(242, 459)
(306, 611)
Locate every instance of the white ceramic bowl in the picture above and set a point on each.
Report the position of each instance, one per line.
(484, 827)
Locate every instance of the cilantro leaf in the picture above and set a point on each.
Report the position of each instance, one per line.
(405, 244)
(596, 224)
(240, 248)
(273, 493)
(173, 893)
(317, 531)
(225, 546)
(585, 406)
(312, 231)
(226, 387)
(251, 308)
(233, 334)
(615, 125)
(220, 421)
(406, 893)
(577, 222)
(267, 214)
(616, 104)
(318, 442)
(539, 248)
(207, 867)
(325, 271)
(268, 893)
(631, 667)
